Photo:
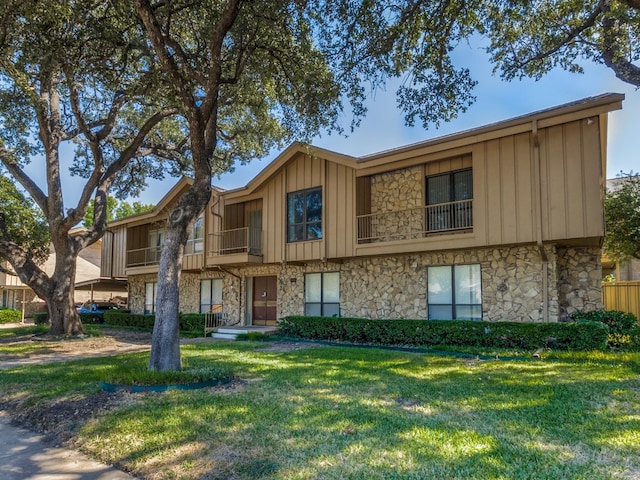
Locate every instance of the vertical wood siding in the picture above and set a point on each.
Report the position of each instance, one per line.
(339, 211)
(114, 252)
(572, 181)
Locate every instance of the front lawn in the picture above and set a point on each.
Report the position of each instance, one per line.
(361, 413)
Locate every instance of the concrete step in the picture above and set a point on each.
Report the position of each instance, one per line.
(231, 333)
(224, 336)
(233, 330)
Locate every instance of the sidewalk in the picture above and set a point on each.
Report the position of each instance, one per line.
(25, 456)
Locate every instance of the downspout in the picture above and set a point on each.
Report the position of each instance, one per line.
(537, 178)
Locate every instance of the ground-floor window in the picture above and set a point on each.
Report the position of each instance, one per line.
(454, 292)
(322, 294)
(211, 295)
(150, 293)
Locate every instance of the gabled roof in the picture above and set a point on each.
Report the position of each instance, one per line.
(170, 196)
(583, 108)
(281, 160)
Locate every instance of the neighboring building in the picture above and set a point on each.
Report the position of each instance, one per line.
(502, 222)
(15, 294)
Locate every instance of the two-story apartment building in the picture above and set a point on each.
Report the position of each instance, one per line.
(502, 222)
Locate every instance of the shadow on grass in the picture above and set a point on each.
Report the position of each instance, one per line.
(365, 413)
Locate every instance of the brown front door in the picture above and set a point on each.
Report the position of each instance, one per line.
(265, 300)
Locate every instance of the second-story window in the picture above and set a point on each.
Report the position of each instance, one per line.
(195, 243)
(450, 201)
(156, 240)
(304, 215)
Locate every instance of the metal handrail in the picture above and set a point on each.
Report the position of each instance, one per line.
(236, 240)
(142, 257)
(416, 222)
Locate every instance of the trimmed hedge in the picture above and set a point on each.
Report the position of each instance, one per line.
(189, 322)
(41, 318)
(126, 319)
(528, 336)
(7, 315)
(624, 328)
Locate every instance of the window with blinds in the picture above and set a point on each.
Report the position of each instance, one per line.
(450, 201)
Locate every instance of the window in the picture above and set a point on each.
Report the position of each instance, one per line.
(211, 295)
(156, 240)
(304, 215)
(322, 294)
(150, 293)
(195, 242)
(450, 201)
(454, 292)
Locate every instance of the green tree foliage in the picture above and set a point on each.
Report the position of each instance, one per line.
(622, 213)
(22, 225)
(115, 210)
(249, 76)
(531, 37)
(72, 72)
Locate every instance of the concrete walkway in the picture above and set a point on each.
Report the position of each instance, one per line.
(25, 456)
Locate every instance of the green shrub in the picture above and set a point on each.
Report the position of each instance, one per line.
(563, 336)
(624, 329)
(8, 315)
(189, 322)
(127, 319)
(253, 337)
(41, 318)
(91, 318)
(618, 322)
(192, 322)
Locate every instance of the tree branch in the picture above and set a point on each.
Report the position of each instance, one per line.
(29, 185)
(569, 37)
(623, 68)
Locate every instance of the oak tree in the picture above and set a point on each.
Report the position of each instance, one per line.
(72, 74)
(622, 214)
(531, 37)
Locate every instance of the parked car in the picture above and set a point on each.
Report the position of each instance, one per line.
(98, 309)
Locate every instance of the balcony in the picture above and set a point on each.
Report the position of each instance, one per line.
(417, 222)
(236, 246)
(143, 257)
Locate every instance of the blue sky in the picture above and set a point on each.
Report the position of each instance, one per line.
(497, 100)
(384, 127)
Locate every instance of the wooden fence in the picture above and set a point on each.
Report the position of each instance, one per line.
(623, 296)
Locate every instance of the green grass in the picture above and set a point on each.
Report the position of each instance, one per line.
(9, 333)
(356, 413)
(16, 342)
(133, 371)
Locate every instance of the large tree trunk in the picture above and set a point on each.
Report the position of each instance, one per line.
(63, 315)
(60, 299)
(165, 342)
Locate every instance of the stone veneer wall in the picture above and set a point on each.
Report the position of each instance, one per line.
(579, 280)
(397, 191)
(395, 287)
(189, 291)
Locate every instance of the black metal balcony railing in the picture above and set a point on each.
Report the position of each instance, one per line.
(415, 222)
(238, 240)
